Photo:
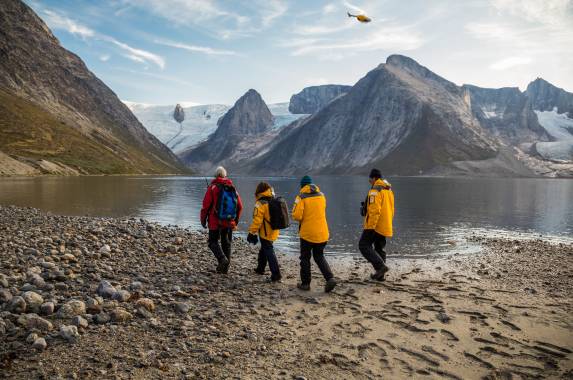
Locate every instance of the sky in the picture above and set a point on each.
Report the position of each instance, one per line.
(213, 51)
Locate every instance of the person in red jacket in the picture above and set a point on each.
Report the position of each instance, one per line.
(220, 230)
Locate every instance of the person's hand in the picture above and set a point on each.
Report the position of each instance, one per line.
(253, 239)
(204, 223)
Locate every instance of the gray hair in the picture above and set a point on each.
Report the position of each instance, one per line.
(220, 172)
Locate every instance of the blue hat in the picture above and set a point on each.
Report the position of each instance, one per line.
(306, 180)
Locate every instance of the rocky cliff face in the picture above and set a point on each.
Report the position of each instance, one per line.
(400, 116)
(544, 97)
(38, 74)
(506, 113)
(246, 121)
(179, 114)
(311, 99)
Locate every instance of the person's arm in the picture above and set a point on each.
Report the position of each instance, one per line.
(374, 207)
(298, 209)
(207, 202)
(258, 216)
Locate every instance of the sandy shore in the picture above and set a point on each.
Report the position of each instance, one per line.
(124, 298)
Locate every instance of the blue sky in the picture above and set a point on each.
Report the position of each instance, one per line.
(212, 51)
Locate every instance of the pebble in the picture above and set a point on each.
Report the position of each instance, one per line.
(35, 322)
(105, 289)
(17, 305)
(33, 300)
(146, 303)
(69, 333)
(79, 321)
(71, 309)
(5, 296)
(40, 344)
(121, 296)
(181, 307)
(47, 308)
(120, 315)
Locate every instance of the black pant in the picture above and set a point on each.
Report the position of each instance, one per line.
(267, 255)
(222, 250)
(375, 255)
(316, 250)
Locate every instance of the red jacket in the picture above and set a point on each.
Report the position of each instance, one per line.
(208, 211)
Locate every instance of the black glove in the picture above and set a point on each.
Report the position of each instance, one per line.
(253, 239)
(204, 223)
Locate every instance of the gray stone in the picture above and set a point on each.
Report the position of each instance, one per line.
(47, 308)
(40, 344)
(33, 301)
(5, 296)
(32, 321)
(105, 289)
(80, 322)
(102, 318)
(71, 309)
(32, 338)
(17, 305)
(121, 296)
(120, 315)
(69, 333)
(181, 307)
(4, 280)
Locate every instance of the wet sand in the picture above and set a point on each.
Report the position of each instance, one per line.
(504, 313)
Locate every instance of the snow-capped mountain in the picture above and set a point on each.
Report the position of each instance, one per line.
(199, 121)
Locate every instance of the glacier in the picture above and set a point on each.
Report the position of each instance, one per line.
(200, 121)
(560, 127)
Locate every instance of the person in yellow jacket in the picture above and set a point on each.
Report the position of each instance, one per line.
(378, 212)
(310, 211)
(261, 226)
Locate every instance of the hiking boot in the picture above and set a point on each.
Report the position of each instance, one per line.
(330, 285)
(305, 287)
(223, 266)
(380, 273)
(271, 280)
(258, 271)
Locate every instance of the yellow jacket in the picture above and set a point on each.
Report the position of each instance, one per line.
(262, 218)
(380, 212)
(310, 211)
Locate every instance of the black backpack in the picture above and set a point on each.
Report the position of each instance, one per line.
(279, 213)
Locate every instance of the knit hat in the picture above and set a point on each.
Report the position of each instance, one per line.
(306, 180)
(375, 173)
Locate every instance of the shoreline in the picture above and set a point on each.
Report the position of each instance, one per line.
(171, 316)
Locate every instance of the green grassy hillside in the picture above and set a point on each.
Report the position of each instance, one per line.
(27, 131)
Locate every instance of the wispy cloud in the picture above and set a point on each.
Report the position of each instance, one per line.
(104, 57)
(211, 17)
(196, 49)
(554, 13)
(510, 62)
(384, 38)
(138, 55)
(58, 21)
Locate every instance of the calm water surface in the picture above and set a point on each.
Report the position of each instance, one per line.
(433, 215)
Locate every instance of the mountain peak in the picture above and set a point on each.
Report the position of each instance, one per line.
(545, 96)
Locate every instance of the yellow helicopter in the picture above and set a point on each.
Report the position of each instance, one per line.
(362, 18)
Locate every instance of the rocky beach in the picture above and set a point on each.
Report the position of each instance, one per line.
(85, 297)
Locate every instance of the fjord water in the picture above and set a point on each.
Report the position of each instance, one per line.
(433, 215)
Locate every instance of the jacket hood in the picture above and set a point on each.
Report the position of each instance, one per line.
(309, 189)
(383, 183)
(223, 181)
(266, 194)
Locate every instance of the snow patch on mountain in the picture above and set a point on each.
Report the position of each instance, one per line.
(560, 127)
(200, 121)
